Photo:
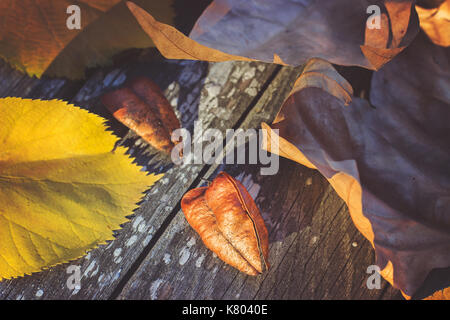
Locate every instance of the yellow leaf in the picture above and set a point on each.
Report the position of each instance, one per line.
(62, 190)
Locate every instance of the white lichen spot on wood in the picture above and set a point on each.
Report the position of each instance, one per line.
(230, 94)
(191, 242)
(154, 288)
(117, 252)
(89, 268)
(94, 273)
(184, 256)
(39, 293)
(314, 240)
(213, 103)
(147, 239)
(199, 261)
(131, 241)
(142, 227)
(252, 89)
(250, 74)
(137, 222)
(166, 258)
(117, 256)
(106, 280)
(76, 290)
(117, 275)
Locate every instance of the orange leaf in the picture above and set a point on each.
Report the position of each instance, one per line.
(142, 106)
(229, 223)
(436, 23)
(35, 38)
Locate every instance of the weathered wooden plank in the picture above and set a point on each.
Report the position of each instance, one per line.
(198, 91)
(16, 84)
(310, 233)
(315, 250)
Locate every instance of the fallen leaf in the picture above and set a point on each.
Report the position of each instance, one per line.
(229, 223)
(62, 190)
(173, 44)
(149, 91)
(436, 23)
(142, 106)
(440, 295)
(288, 32)
(389, 159)
(34, 37)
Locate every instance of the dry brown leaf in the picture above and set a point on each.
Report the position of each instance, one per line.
(142, 107)
(436, 23)
(288, 33)
(388, 160)
(173, 44)
(229, 223)
(297, 31)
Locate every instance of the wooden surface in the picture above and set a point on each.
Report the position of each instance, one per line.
(315, 251)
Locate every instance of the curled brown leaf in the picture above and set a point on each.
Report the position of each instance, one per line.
(142, 106)
(229, 223)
